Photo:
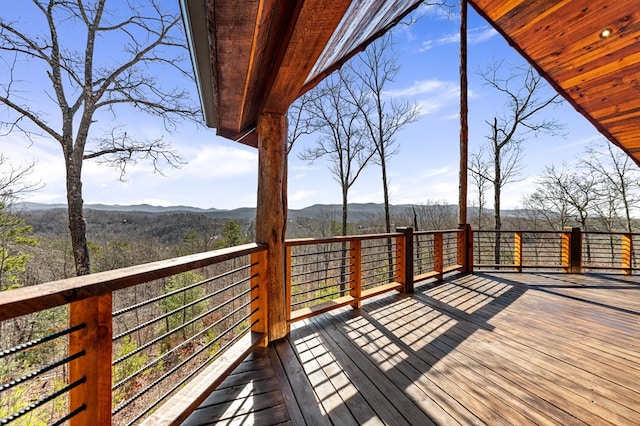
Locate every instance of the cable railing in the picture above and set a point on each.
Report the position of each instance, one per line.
(570, 250)
(328, 273)
(113, 347)
(124, 346)
(436, 253)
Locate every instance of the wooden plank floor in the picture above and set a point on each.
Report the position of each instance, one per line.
(488, 348)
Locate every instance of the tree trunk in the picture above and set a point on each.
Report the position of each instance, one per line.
(343, 255)
(77, 225)
(387, 216)
(496, 208)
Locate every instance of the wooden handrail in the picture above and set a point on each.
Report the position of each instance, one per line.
(36, 298)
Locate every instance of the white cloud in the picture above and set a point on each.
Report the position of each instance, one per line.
(421, 88)
(474, 36)
(221, 162)
(301, 195)
(432, 95)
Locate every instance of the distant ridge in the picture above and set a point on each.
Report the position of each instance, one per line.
(357, 211)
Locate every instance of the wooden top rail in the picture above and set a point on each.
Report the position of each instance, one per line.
(339, 239)
(32, 299)
(442, 231)
(512, 231)
(610, 233)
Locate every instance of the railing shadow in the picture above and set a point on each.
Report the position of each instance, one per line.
(560, 281)
(385, 336)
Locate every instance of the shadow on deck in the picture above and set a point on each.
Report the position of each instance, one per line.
(487, 348)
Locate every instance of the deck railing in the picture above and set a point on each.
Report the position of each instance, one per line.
(111, 347)
(120, 346)
(570, 250)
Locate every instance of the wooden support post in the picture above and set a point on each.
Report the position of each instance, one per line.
(517, 251)
(465, 247)
(438, 255)
(575, 252)
(404, 249)
(287, 289)
(271, 214)
(95, 365)
(355, 272)
(626, 253)
(565, 251)
(464, 127)
(259, 295)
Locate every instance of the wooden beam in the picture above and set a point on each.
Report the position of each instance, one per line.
(271, 214)
(313, 29)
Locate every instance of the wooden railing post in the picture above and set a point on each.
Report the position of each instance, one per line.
(465, 247)
(95, 339)
(565, 251)
(626, 254)
(517, 251)
(259, 295)
(355, 272)
(575, 251)
(438, 255)
(404, 249)
(287, 280)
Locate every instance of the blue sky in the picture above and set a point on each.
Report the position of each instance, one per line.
(223, 174)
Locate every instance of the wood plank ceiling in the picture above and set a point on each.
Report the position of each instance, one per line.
(260, 55)
(564, 40)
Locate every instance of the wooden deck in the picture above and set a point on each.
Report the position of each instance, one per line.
(488, 348)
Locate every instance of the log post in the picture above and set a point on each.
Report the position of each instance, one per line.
(95, 366)
(464, 127)
(271, 214)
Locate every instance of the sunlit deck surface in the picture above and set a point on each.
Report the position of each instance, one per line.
(488, 348)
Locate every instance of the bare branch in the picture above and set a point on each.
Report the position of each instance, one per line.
(119, 150)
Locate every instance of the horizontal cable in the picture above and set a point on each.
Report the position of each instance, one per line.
(170, 372)
(41, 402)
(192, 374)
(186, 324)
(71, 415)
(41, 340)
(36, 373)
(323, 278)
(189, 340)
(174, 292)
(321, 288)
(179, 309)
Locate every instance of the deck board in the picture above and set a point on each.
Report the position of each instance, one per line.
(487, 348)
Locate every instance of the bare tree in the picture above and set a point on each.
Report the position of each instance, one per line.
(384, 116)
(573, 191)
(86, 87)
(618, 179)
(14, 181)
(299, 118)
(342, 139)
(481, 170)
(526, 95)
